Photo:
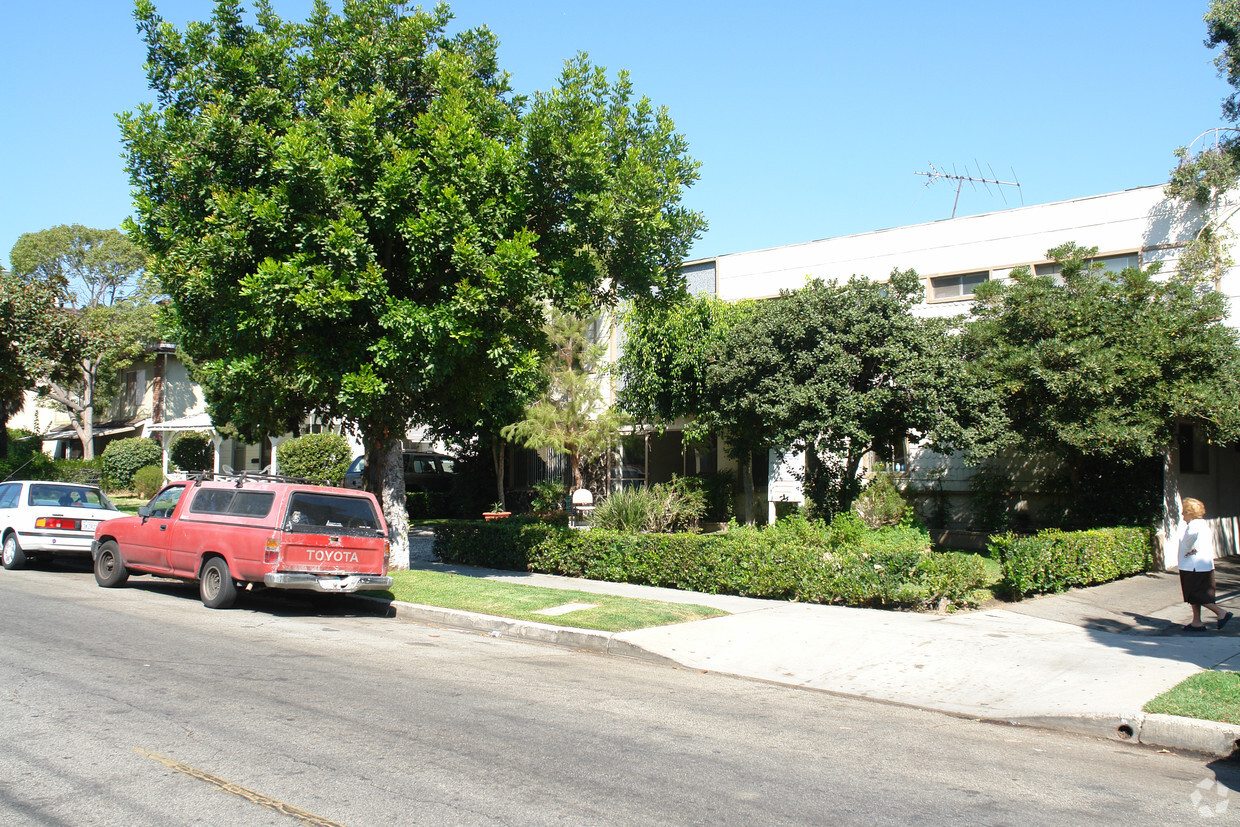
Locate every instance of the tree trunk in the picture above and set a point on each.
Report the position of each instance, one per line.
(385, 477)
(747, 504)
(574, 462)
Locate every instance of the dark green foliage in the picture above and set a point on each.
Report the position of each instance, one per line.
(792, 560)
(80, 470)
(25, 459)
(324, 456)
(123, 457)
(193, 451)
(548, 496)
(1094, 365)
(147, 481)
(1054, 560)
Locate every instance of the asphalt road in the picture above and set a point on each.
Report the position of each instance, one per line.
(140, 707)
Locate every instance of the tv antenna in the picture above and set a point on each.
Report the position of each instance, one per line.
(935, 174)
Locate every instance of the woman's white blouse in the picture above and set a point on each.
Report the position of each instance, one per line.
(1198, 538)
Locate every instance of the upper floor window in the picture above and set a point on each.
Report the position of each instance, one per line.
(1110, 264)
(959, 286)
(134, 389)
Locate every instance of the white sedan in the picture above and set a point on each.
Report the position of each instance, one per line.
(40, 520)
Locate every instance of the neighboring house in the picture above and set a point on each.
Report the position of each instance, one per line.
(1135, 227)
(156, 398)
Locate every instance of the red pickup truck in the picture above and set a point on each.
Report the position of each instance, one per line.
(228, 533)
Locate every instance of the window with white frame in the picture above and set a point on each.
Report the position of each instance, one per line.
(959, 286)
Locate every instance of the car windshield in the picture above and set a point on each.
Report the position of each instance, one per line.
(69, 496)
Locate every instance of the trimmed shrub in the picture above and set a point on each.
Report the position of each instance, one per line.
(193, 451)
(1054, 560)
(147, 481)
(792, 560)
(123, 457)
(324, 456)
(881, 503)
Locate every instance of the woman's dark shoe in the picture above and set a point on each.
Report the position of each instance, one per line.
(1222, 621)
(1191, 628)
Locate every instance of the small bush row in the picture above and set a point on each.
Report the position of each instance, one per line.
(1054, 560)
(844, 563)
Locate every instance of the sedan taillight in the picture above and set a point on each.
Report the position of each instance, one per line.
(62, 523)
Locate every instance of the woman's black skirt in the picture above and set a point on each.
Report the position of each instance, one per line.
(1197, 586)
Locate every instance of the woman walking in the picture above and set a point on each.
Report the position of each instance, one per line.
(1197, 565)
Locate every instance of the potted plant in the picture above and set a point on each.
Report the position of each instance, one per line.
(497, 512)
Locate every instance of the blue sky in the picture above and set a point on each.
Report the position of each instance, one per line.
(810, 118)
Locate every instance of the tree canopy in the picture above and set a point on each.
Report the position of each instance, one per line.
(93, 316)
(356, 215)
(1099, 369)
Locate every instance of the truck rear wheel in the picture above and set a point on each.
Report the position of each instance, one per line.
(110, 572)
(217, 588)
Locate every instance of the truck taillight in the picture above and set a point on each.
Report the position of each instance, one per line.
(387, 556)
(56, 522)
(271, 552)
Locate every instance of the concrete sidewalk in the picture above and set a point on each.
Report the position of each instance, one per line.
(1085, 661)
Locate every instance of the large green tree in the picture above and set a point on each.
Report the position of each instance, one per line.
(36, 339)
(1099, 368)
(677, 366)
(846, 368)
(355, 214)
(101, 320)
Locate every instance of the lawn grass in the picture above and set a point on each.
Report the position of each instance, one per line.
(1210, 695)
(127, 501)
(519, 602)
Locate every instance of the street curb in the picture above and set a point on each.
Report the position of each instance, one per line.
(588, 640)
(1167, 731)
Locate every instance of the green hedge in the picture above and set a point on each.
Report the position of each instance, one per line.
(193, 451)
(843, 563)
(123, 457)
(324, 456)
(1054, 560)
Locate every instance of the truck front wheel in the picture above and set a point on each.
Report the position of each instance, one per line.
(217, 588)
(110, 572)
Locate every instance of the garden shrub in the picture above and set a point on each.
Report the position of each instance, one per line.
(794, 559)
(1054, 560)
(147, 481)
(123, 457)
(193, 451)
(26, 459)
(548, 496)
(88, 471)
(881, 503)
(324, 456)
(661, 508)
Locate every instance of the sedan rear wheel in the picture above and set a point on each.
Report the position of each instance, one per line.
(13, 556)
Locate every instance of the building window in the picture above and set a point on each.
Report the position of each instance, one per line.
(959, 286)
(134, 389)
(1110, 264)
(1194, 451)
